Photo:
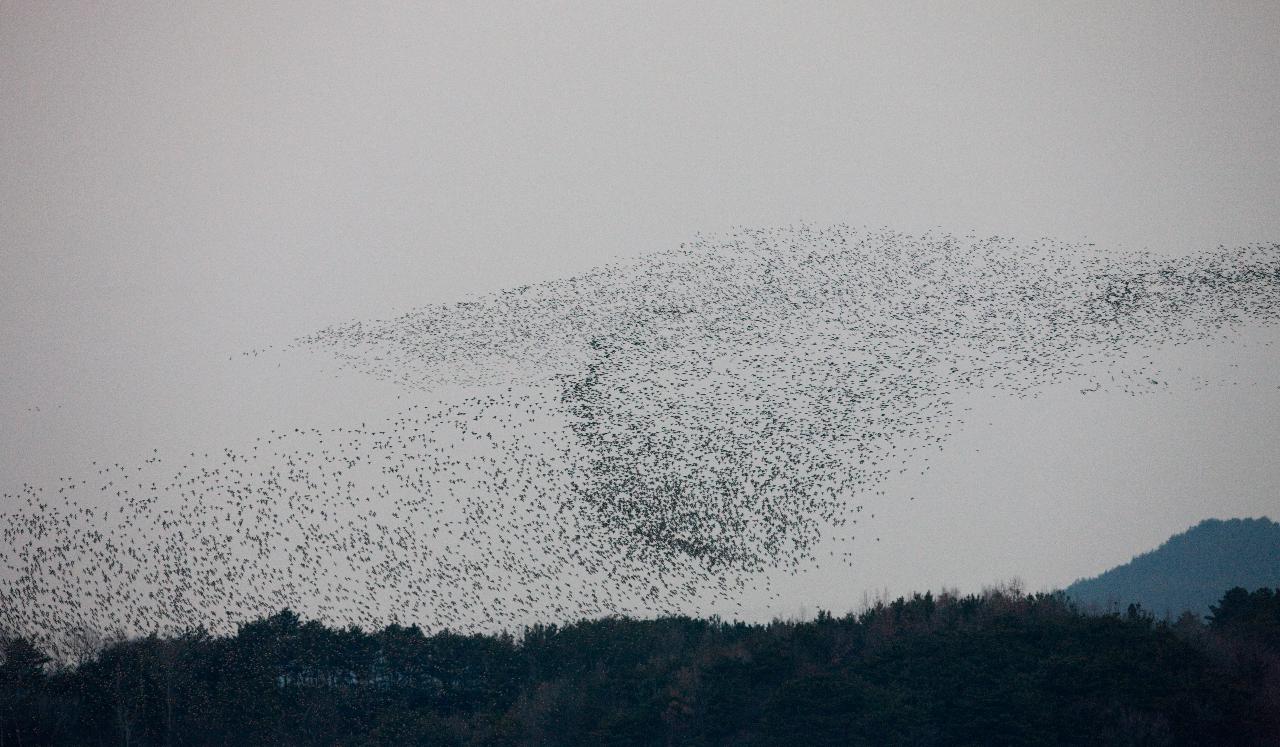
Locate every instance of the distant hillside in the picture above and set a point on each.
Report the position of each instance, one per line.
(1190, 570)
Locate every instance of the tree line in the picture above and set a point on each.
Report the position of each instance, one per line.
(1000, 667)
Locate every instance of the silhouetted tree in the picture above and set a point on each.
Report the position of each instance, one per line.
(1002, 667)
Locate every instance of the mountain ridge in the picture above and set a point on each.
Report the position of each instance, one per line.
(1190, 569)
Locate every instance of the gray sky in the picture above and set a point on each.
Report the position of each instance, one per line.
(183, 182)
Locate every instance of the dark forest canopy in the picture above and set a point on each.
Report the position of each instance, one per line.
(1001, 667)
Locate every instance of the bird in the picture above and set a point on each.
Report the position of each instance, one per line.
(664, 435)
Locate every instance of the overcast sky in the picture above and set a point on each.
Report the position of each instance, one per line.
(180, 182)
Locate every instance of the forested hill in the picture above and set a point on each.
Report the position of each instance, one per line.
(1190, 570)
(1000, 668)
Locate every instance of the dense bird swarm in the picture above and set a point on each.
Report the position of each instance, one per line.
(637, 440)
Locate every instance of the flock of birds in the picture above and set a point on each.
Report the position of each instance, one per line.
(651, 437)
